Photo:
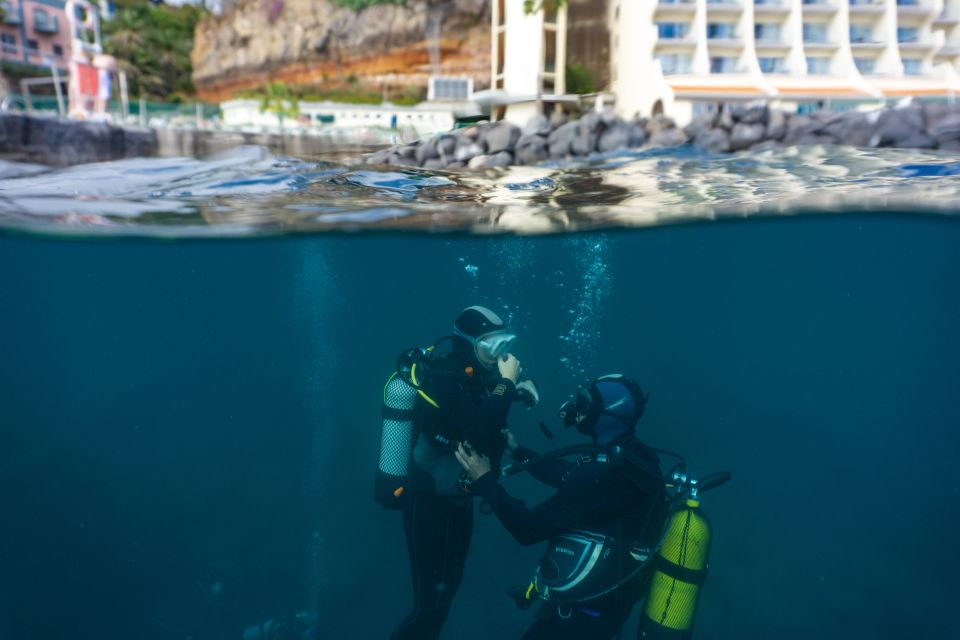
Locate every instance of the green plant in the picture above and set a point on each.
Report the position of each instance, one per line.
(579, 79)
(533, 6)
(152, 44)
(280, 99)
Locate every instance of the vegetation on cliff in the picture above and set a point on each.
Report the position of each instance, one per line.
(152, 45)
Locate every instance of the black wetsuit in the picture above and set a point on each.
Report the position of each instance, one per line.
(438, 527)
(591, 496)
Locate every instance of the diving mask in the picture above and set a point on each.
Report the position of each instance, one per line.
(494, 346)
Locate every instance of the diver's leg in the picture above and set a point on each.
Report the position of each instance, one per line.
(435, 531)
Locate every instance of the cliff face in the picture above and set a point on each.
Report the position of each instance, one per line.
(318, 42)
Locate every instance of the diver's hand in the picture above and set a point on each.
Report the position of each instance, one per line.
(475, 464)
(512, 443)
(509, 367)
(528, 393)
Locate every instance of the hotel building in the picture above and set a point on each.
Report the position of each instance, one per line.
(683, 56)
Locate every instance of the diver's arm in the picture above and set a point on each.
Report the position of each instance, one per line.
(577, 500)
(549, 472)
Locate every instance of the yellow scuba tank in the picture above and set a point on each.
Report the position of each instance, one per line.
(680, 569)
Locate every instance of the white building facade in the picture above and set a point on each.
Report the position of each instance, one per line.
(681, 56)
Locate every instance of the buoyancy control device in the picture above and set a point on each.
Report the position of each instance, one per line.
(677, 566)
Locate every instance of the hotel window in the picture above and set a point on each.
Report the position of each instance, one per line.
(908, 34)
(673, 63)
(671, 30)
(58, 51)
(766, 32)
(8, 43)
(860, 33)
(814, 1)
(814, 33)
(549, 51)
(908, 3)
(818, 66)
(723, 64)
(912, 66)
(865, 65)
(32, 46)
(43, 22)
(721, 30)
(772, 65)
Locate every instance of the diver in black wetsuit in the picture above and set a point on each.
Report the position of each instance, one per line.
(465, 395)
(597, 513)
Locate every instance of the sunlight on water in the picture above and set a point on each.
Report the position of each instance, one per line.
(249, 192)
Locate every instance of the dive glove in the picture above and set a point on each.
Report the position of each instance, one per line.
(528, 394)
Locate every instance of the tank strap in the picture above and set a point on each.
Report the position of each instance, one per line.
(393, 413)
(683, 574)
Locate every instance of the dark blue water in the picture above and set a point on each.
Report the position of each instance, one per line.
(189, 430)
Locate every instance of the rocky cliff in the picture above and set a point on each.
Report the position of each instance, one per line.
(320, 43)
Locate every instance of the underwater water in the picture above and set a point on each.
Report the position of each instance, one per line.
(189, 429)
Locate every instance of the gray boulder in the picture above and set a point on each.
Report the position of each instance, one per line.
(561, 139)
(726, 119)
(750, 113)
(745, 135)
(409, 151)
(659, 123)
(584, 144)
(776, 124)
(379, 157)
(487, 161)
(800, 126)
(537, 125)
(558, 118)
(851, 128)
(615, 137)
(447, 145)
(713, 140)
(919, 140)
(500, 136)
(701, 123)
(466, 149)
(637, 135)
(427, 151)
(946, 129)
(668, 138)
(592, 123)
(896, 126)
(949, 145)
(532, 149)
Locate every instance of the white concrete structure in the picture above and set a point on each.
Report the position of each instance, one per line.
(681, 56)
(421, 119)
(528, 60)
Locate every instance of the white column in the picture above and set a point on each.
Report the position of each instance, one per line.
(796, 59)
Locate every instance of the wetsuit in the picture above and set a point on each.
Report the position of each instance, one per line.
(439, 523)
(591, 496)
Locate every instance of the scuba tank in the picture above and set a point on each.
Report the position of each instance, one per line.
(680, 566)
(397, 431)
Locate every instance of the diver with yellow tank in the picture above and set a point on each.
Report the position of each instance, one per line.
(618, 528)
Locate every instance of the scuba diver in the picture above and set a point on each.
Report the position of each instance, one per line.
(603, 524)
(461, 389)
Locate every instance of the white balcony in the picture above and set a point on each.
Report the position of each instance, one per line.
(723, 7)
(821, 7)
(771, 7)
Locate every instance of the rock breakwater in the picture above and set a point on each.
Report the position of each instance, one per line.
(737, 127)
